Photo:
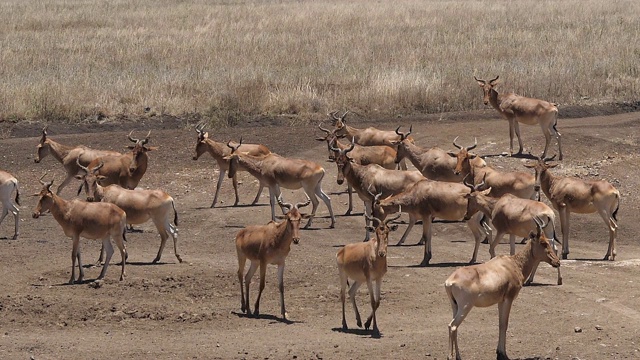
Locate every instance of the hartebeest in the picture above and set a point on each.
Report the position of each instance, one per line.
(77, 218)
(510, 215)
(267, 244)
(8, 183)
(276, 171)
(367, 178)
(519, 109)
(365, 137)
(433, 163)
(139, 205)
(426, 200)
(68, 156)
(218, 151)
(497, 281)
(127, 169)
(571, 194)
(365, 262)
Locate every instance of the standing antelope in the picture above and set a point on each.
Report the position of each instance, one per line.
(127, 169)
(367, 178)
(8, 183)
(267, 244)
(519, 109)
(276, 171)
(139, 205)
(364, 137)
(77, 218)
(511, 215)
(433, 163)
(499, 280)
(365, 262)
(68, 156)
(426, 200)
(570, 194)
(218, 151)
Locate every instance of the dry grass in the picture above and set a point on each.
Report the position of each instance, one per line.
(67, 60)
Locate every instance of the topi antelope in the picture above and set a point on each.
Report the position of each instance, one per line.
(218, 151)
(127, 169)
(367, 178)
(519, 109)
(276, 171)
(570, 194)
(68, 156)
(77, 218)
(268, 244)
(511, 215)
(8, 183)
(139, 205)
(365, 262)
(364, 137)
(498, 281)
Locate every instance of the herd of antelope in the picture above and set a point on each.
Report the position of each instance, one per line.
(447, 185)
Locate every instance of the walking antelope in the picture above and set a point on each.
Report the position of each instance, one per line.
(433, 163)
(218, 151)
(127, 169)
(275, 171)
(139, 205)
(570, 194)
(426, 200)
(365, 262)
(367, 178)
(68, 156)
(519, 109)
(511, 215)
(497, 281)
(8, 183)
(268, 244)
(77, 218)
(364, 137)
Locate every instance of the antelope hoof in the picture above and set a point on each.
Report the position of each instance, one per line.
(359, 323)
(501, 356)
(400, 243)
(560, 281)
(155, 261)
(425, 262)
(367, 324)
(236, 203)
(179, 258)
(564, 257)
(472, 262)
(285, 316)
(256, 313)
(421, 242)
(344, 325)
(485, 240)
(15, 237)
(376, 334)
(348, 213)
(523, 241)
(71, 282)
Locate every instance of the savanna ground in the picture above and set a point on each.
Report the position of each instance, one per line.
(192, 310)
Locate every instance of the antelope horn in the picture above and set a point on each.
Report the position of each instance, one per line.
(492, 80)
(323, 129)
(344, 115)
(301, 205)
(199, 128)
(353, 144)
(541, 225)
(283, 204)
(470, 186)
(551, 158)
(146, 138)
(44, 130)
(234, 148)
(42, 177)
(80, 165)
(456, 145)
(374, 219)
(132, 139)
(333, 115)
(376, 197)
(97, 167)
(482, 183)
(534, 156)
(333, 142)
(475, 143)
(392, 219)
(480, 80)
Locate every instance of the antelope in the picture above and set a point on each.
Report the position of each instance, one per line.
(218, 151)
(570, 194)
(364, 137)
(139, 205)
(433, 163)
(68, 155)
(497, 281)
(426, 200)
(275, 171)
(365, 262)
(8, 183)
(520, 184)
(268, 244)
(127, 169)
(367, 178)
(510, 215)
(519, 109)
(90, 220)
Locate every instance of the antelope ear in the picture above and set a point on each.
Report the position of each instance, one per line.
(486, 191)
(532, 235)
(281, 217)
(101, 177)
(481, 84)
(370, 228)
(467, 196)
(206, 135)
(321, 139)
(530, 166)
(395, 142)
(393, 227)
(150, 148)
(130, 147)
(79, 177)
(473, 156)
(552, 165)
(306, 216)
(36, 194)
(494, 82)
(452, 154)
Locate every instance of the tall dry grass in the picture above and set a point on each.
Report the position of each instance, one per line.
(226, 60)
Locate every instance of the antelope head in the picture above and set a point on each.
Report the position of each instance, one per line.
(330, 138)
(45, 200)
(402, 144)
(381, 228)
(233, 158)
(472, 196)
(90, 181)
(201, 145)
(293, 216)
(540, 166)
(42, 149)
(541, 246)
(138, 150)
(339, 121)
(487, 86)
(342, 159)
(463, 155)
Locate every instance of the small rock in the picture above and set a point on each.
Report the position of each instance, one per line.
(601, 300)
(598, 327)
(577, 329)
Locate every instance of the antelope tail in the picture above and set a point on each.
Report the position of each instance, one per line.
(615, 212)
(17, 199)
(175, 216)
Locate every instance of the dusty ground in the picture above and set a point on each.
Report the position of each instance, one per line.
(191, 310)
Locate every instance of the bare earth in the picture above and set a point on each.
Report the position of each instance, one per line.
(192, 310)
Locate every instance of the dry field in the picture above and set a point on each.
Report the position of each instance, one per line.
(192, 310)
(227, 61)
